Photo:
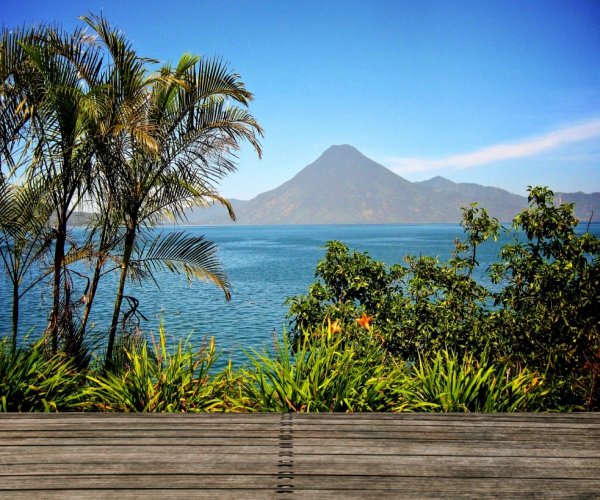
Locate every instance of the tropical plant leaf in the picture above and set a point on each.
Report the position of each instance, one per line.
(193, 256)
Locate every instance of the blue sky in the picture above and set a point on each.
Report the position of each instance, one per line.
(503, 93)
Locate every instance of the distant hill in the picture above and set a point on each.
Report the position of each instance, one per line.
(216, 214)
(498, 202)
(345, 187)
(587, 206)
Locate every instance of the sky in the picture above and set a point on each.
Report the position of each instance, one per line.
(501, 93)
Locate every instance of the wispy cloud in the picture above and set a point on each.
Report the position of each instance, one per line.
(499, 152)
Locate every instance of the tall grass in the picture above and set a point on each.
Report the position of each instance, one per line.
(31, 381)
(154, 379)
(326, 374)
(447, 383)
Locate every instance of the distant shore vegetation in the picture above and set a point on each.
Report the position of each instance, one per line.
(85, 121)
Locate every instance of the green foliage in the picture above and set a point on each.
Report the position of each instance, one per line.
(447, 383)
(543, 313)
(24, 236)
(539, 324)
(549, 302)
(350, 283)
(326, 374)
(423, 306)
(85, 121)
(30, 381)
(158, 380)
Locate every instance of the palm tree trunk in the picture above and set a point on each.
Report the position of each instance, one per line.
(91, 294)
(128, 248)
(102, 252)
(15, 315)
(59, 258)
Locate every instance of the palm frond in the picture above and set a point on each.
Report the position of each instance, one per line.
(193, 256)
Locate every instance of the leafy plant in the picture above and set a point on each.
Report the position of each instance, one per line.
(158, 380)
(24, 237)
(29, 381)
(447, 383)
(543, 313)
(548, 307)
(325, 374)
(88, 122)
(423, 306)
(174, 135)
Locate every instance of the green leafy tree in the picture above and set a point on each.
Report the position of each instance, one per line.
(549, 302)
(542, 315)
(87, 118)
(50, 75)
(422, 306)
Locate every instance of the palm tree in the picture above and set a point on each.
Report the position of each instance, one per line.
(14, 114)
(24, 211)
(173, 136)
(24, 238)
(59, 88)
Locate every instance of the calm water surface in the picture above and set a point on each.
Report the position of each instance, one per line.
(265, 264)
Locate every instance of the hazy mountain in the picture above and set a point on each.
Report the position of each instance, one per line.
(498, 202)
(217, 214)
(587, 206)
(344, 186)
(341, 186)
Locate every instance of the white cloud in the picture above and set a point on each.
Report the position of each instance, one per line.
(499, 152)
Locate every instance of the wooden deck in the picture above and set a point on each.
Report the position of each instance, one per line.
(300, 455)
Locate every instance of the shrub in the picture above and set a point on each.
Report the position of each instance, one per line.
(158, 380)
(543, 313)
(548, 305)
(447, 383)
(424, 305)
(325, 374)
(30, 381)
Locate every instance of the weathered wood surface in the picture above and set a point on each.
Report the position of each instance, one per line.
(300, 455)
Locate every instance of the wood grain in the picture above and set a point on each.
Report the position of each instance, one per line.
(300, 455)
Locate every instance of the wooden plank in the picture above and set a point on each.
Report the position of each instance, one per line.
(454, 424)
(136, 427)
(155, 494)
(265, 438)
(374, 483)
(213, 440)
(124, 454)
(398, 466)
(445, 434)
(397, 432)
(469, 419)
(454, 449)
(77, 455)
(448, 485)
(140, 481)
(303, 455)
(461, 468)
(209, 464)
(397, 444)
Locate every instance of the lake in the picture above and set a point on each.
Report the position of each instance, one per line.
(265, 264)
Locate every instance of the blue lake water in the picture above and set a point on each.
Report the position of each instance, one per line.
(265, 264)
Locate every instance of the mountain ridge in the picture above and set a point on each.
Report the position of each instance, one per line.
(343, 186)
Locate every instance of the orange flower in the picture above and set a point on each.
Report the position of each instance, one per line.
(365, 321)
(334, 327)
